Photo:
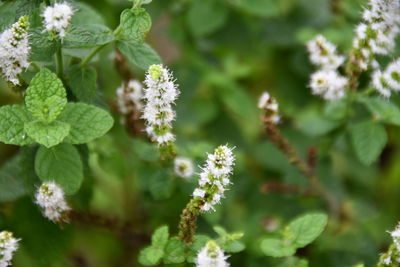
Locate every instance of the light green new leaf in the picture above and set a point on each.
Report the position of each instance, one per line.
(141, 55)
(46, 96)
(13, 118)
(87, 122)
(383, 109)
(174, 251)
(368, 139)
(47, 134)
(135, 24)
(61, 164)
(82, 82)
(277, 248)
(215, 12)
(150, 256)
(305, 229)
(85, 36)
(160, 237)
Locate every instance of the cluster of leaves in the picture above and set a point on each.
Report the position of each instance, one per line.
(170, 250)
(224, 53)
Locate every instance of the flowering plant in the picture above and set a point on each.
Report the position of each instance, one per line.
(136, 133)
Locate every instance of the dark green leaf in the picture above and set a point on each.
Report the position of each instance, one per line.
(85, 36)
(82, 82)
(135, 24)
(61, 164)
(368, 139)
(141, 55)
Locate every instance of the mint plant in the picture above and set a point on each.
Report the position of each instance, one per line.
(131, 134)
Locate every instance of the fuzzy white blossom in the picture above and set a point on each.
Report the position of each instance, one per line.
(378, 31)
(211, 255)
(387, 80)
(183, 167)
(328, 84)
(270, 106)
(14, 50)
(130, 97)
(57, 18)
(8, 245)
(323, 53)
(50, 197)
(214, 177)
(160, 94)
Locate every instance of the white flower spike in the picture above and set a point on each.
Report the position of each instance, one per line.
(211, 255)
(50, 197)
(328, 84)
(14, 50)
(130, 97)
(323, 53)
(271, 108)
(8, 245)
(214, 177)
(57, 18)
(160, 94)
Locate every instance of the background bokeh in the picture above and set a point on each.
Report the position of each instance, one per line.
(224, 54)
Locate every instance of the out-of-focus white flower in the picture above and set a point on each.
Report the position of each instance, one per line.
(183, 167)
(377, 34)
(328, 84)
(159, 95)
(50, 197)
(14, 50)
(58, 17)
(130, 97)
(8, 245)
(323, 53)
(380, 84)
(270, 106)
(392, 75)
(214, 177)
(211, 255)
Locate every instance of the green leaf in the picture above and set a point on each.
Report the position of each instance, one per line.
(45, 97)
(174, 251)
(82, 82)
(160, 237)
(141, 55)
(335, 110)
(313, 123)
(85, 36)
(382, 110)
(13, 118)
(87, 122)
(277, 248)
(368, 139)
(135, 24)
(264, 8)
(215, 12)
(85, 14)
(61, 164)
(305, 229)
(150, 256)
(47, 134)
(42, 48)
(17, 175)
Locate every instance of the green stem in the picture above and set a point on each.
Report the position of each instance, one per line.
(60, 67)
(35, 66)
(89, 57)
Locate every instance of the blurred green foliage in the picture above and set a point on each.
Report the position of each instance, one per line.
(224, 54)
